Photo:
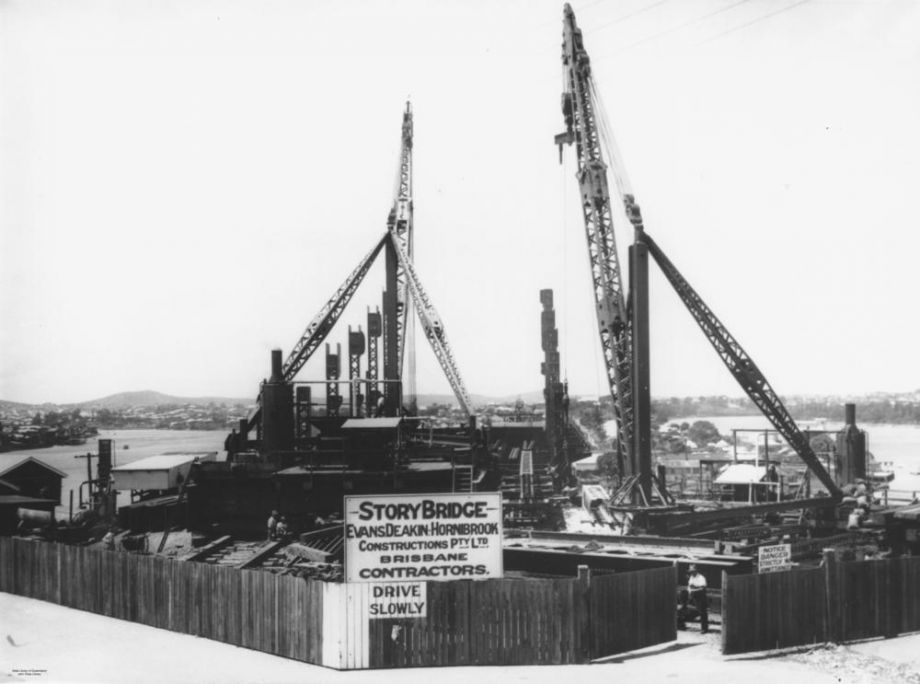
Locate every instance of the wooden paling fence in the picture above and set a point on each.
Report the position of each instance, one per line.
(258, 610)
(874, 598)
(773, 610)
(840, 601)
(490, 622)
(530, 622)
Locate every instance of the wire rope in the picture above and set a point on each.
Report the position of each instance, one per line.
(625, 17)
(755, 21)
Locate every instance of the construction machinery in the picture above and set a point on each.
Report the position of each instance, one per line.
(622, 303)
(403, 290)
(316, 440)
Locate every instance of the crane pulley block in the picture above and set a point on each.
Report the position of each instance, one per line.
(593, 182)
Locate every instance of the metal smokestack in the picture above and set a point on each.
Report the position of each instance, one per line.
(277, 374)
(851, 449)
(277, 410)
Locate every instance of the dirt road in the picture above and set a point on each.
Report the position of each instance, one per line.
(43, 643)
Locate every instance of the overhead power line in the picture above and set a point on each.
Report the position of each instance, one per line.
(630, 15)
(684, 25)
(755, 21)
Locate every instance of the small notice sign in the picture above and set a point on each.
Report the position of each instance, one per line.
(398, 600)
(774, 558)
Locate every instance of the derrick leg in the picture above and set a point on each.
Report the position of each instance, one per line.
(641, 393)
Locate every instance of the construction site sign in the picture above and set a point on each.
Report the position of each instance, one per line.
(423, 537)
(398, 600)
(774, 558)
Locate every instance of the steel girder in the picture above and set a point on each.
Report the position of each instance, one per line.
(741, 366)
(400, 225)
(433, 327)
(322, 324)
(327, 317)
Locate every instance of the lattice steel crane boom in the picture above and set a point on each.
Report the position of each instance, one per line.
(580, 110)
(400, 224)
(624, 329)
(433, 327)
(323, 322)
(327, 317)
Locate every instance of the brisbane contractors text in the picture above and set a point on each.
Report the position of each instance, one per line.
(422, 572)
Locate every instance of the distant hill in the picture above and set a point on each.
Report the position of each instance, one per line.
(144, 398)
(151, 398)
(481, 399)
(16, 405)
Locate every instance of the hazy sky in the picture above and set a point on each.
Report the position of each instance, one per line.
(184, 184)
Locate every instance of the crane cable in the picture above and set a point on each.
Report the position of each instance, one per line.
(611, 150)
(564, 174)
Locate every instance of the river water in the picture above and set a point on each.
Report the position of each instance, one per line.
(898, 445)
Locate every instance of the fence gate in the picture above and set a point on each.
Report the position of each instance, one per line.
(631, 610)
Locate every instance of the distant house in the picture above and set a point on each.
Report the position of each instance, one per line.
(748, 483)
(35, 479)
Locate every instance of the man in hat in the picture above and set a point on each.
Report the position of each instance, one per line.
(696, 583)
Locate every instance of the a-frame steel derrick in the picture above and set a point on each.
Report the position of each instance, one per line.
(741, 366)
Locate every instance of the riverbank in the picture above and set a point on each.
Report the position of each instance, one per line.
(128, 446)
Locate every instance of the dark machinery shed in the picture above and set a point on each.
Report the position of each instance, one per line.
(35, 478)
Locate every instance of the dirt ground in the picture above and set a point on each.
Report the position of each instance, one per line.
(43, 642)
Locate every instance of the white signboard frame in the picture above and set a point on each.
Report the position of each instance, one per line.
(774, 558)
(423, 537)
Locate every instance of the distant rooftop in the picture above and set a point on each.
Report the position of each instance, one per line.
(741, 473)
(37, 462)
(371, 423)
(165, 461)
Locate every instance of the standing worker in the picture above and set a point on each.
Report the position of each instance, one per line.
(696, 583)
(272, 525)
(282, 529)
(108, 541)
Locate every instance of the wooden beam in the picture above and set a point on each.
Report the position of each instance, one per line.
(207, 549)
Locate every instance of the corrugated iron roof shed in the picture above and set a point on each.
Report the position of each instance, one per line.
(371, 423)
(37, 462)
(161, 462)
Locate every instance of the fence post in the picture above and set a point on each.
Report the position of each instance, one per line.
(582, 609)
(726, 594)
(895, 597)
(832, 598)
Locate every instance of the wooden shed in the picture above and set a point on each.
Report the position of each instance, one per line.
(35, 479)
(158, 473)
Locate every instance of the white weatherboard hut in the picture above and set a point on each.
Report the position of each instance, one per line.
(163, 472)
(746, 483)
